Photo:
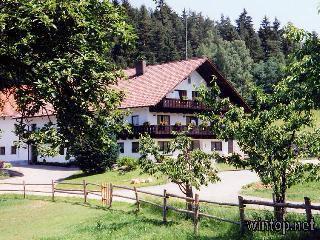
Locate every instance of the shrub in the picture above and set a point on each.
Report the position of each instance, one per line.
(1, 163)
(7, 165)
(129, 163)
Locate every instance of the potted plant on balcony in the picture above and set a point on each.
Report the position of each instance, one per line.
(191, 125)
(184, 98)
(177, 126)
(204, 125)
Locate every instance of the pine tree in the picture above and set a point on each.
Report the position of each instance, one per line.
(249, 36)
(227, 31)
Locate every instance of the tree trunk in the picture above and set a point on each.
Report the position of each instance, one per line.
(189, 194)
(279, 211)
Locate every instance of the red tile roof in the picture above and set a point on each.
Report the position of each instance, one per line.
(151, 87)
(9, 108)
(158, 80)
(8, 104)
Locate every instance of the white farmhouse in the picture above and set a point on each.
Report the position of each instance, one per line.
(161, 99)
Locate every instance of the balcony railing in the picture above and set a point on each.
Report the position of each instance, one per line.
(178, 105)
(157, 131)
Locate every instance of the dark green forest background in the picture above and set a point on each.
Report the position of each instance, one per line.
(245, 56)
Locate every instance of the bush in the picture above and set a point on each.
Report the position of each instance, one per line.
(129, 163)
(2, 163)
(7, 165)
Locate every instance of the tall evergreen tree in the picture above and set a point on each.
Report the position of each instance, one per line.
(227, 31)
(249, 36)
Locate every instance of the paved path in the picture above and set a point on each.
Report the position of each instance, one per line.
(226, 190)
(36, 174)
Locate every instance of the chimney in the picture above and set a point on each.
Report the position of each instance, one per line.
(141, 67)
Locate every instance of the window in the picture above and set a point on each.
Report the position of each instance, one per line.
(182, 94)
(33, 127)
(189, 80)
(195, 95)
(13, 150)
(163, 120)
(195, 144)
(135, 147)
(216, 146)
(121, 147)
(135, 120)
(61, 150)
(164, 146)
(192, 120)
(2, 151)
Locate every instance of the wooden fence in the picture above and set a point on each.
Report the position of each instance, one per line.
(107, 192)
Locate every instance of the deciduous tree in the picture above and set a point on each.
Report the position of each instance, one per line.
(61, 53)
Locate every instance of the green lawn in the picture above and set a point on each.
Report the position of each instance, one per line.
(67, 219)
(114, 177)
(295, 193)
(3, 175)
(226, 167)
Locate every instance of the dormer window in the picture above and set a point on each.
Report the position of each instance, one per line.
(189, 80)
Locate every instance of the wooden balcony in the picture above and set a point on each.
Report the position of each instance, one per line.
(157, 131)
(179, 106)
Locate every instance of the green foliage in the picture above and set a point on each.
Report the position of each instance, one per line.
(271, 136)
(130, 163)
(267, 74)
(249, 36)
(303, 81)
(232, 58)
(191, 168)
(7, 165)
(61, 54)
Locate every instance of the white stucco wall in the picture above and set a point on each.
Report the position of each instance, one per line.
(196, 82)
(8, 138)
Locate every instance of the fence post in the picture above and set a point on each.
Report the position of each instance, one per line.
(101, 187)
(24, 189)
(307, 202)
(164, 210)
(111, 192)
(85, 191)
(196, 215)
(137, 199)
(52, 188)
(242, 216)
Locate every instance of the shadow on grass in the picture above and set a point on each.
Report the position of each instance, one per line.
(152, 216)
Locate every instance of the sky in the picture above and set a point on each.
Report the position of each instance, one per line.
(302, 13)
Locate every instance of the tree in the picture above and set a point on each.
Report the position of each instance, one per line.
(267, 74)
(270, 38)
(303, 69)
(232, 58)
(249, 36)
(271, 135)
(226, 30)
(61, 54)
(191, 168)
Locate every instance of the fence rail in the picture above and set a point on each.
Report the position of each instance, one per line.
(107, 193)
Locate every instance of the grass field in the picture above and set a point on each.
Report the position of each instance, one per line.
(67, 219)
(295, 193)
(114, 177)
